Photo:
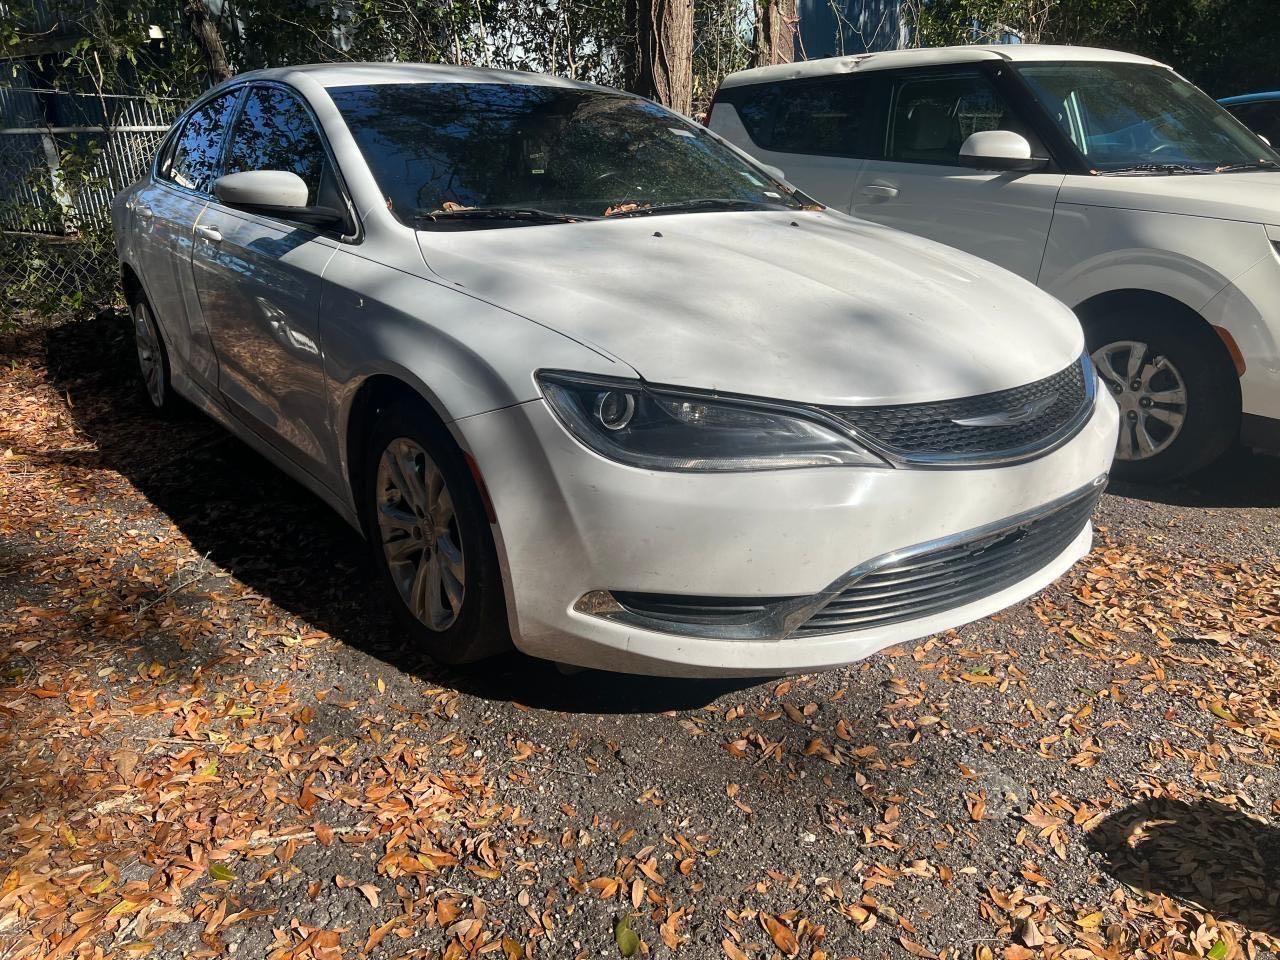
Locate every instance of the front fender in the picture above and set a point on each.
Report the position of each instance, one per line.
(463, 356)
(1094, 250)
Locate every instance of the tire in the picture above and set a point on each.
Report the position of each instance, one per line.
(1181, 411)
(419, 508)
(153, 359)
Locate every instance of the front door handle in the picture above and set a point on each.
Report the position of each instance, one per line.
(212, 234)
(144, 212)
(881, 191)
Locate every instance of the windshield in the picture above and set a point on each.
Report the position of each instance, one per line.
(1122, 115)
(453, 154)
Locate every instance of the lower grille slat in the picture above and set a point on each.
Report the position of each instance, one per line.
(860, 599)
(952, 576)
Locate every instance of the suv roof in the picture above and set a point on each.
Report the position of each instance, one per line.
(927, 57)
(352, 74)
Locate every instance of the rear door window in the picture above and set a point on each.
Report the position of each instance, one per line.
(194, 161)
(829, 116)
(934, 115)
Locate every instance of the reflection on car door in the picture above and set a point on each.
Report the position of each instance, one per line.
(919, 185)
(259, 282)
(165, 212)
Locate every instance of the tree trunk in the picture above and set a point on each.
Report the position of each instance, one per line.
(205, 33)
(774, 40)
(662, 65)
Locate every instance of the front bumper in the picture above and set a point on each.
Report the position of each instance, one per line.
(571, 522)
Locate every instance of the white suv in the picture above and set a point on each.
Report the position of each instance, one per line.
(1105, 178)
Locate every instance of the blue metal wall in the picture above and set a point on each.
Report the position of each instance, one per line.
(832, 28)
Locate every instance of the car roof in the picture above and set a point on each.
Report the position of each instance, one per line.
(366, 74)
(1252, 98)
(931, 56)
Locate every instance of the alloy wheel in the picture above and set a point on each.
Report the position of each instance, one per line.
(1151, 394)
(150, 353)
(420, 537)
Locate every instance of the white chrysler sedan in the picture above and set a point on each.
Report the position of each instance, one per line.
(590, 380)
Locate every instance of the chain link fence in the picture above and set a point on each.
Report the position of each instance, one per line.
(63, 157)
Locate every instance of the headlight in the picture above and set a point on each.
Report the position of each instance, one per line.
(663, 429)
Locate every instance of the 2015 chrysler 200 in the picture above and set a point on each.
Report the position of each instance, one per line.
(589, 378)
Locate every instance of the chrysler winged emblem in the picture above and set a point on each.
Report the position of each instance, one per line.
(1014, 415)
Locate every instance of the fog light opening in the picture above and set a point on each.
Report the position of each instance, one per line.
(597, 603)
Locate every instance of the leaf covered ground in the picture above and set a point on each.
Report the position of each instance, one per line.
(212, 742)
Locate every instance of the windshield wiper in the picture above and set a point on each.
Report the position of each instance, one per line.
(1250, 165)
(1165, 168)
(529, 214)
(703, 203)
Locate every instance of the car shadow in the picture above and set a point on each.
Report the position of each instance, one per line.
(1241, 478)
(286, 545)
(1198, 851)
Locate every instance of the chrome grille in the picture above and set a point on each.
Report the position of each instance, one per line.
(930, 581)
(970, 428)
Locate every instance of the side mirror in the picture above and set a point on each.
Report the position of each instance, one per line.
(999, 150)
(273, 193)
(775, 172)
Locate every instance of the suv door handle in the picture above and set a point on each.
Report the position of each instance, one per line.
(143, 212)
(212, 234)
(881, 190)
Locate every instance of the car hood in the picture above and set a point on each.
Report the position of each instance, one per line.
(807, 306)
(1252, 197)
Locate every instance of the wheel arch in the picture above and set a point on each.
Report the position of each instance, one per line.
(131, 283)
(1094, 312)
(374, 393)
(135, 291)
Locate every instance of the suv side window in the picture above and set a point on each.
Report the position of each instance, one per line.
(934, 115)
(1262, 117)
(275, 132)
(830, 116)
(193, 162)
(756, 105)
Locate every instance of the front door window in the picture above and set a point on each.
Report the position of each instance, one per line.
(934, 115)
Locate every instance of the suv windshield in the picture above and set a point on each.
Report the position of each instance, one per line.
(496, 154)
(1127, 116)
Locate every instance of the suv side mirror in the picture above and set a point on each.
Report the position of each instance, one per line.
(273, 193)
(999, 150)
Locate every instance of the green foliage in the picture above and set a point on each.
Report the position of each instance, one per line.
(1225, 46)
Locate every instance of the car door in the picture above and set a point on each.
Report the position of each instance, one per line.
(815, 130)
(165, 212)
(918, 184)
(259, 281)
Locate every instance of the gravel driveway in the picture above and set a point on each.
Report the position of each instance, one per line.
(213, 743)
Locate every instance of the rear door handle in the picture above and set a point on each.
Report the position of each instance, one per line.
(212, 234)
(880, 190)
(144, 212)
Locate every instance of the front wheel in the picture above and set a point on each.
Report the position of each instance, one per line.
(1177, 392)
(430, 537)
